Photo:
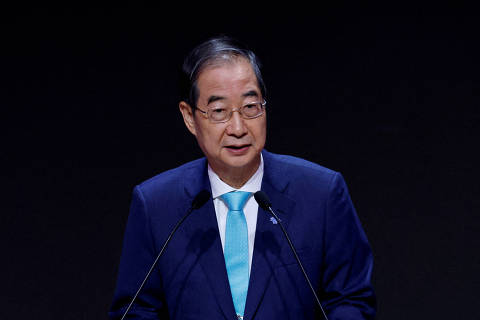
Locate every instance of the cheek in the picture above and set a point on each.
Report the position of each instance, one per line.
(209, 137)
(262, 139)
(260, 133)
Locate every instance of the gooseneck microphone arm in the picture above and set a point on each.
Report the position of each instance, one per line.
(200, 199)
(264, 203)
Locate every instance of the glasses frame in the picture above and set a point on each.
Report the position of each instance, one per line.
(239, 110)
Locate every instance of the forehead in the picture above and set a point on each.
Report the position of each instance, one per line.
(227, 79)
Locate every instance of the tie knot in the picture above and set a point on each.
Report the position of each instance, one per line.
(235, 200)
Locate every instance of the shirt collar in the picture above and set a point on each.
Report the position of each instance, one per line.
(252, 185)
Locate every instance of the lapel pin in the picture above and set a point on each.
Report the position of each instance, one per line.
(273, 220)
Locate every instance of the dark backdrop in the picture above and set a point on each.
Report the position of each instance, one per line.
(387, 97)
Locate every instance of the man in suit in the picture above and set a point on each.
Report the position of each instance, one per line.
(235, 263)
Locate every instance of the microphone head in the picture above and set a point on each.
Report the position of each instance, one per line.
(262, 200)
(200, 199)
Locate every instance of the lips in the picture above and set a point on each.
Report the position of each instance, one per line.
(238, 149)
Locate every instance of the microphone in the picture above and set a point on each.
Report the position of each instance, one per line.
(200, 199)
(263, 201)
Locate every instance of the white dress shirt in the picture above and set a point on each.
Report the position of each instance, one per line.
(251, 207)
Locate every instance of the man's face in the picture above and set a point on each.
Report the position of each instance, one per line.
(233, 146)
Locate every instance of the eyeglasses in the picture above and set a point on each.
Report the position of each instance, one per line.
(220, 113)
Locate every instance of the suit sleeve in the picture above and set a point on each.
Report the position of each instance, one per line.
(138, 254)
(348, 293)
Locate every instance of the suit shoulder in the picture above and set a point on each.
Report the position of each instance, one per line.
(167, 180)
(299, 166)
(306, 177)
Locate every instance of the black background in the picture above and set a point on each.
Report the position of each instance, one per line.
(387, 96)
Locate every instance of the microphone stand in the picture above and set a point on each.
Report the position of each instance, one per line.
(199, 201)
(264, 203)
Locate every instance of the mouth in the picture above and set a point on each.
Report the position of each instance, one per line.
(238, 149)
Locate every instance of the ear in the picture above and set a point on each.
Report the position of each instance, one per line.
(188, 116)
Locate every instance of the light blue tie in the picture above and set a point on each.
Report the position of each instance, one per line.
(236, 248)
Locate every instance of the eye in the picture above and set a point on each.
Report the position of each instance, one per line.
(218, 110)
(252, 110)
(218, 113)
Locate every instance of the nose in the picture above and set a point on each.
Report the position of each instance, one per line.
(236, 125)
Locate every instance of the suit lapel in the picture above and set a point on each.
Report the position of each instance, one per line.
(269, 238)
(202, 226)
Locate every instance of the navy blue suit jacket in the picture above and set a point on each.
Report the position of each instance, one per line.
(190, 281)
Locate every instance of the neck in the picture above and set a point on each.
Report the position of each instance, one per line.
(236, 177)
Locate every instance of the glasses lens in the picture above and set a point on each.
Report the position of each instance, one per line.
(222, 114)
(252, 110)
(218, 114)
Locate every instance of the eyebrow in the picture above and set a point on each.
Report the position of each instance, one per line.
(251, 93)
(214, 98)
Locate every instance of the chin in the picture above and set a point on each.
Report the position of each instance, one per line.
(241, 161)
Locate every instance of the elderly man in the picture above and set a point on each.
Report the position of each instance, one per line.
(230, 259)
